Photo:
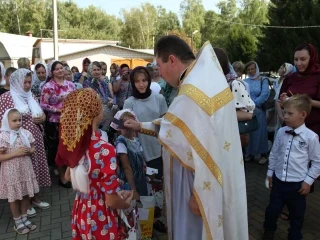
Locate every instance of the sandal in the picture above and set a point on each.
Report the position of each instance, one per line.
(21, 229)
(284, 216)
(31, 226)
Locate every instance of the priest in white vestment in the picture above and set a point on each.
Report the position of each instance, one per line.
(204, 176)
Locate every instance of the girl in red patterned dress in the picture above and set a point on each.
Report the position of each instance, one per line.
(92, 166)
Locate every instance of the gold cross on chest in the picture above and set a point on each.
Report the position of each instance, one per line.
(226, 146)
(207, 186)
(169, 134)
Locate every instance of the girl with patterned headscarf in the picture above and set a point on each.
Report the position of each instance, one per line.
(92, 168)
(20, 97)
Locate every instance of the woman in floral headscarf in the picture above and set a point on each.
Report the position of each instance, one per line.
(20, 97)
(92, 166)
(40, 74)
(103, 89)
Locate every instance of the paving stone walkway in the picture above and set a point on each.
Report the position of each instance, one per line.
(54, 223)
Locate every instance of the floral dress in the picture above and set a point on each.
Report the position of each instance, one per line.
(91, 217)
(16, 175)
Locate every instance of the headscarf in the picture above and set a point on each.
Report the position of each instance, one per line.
(313, 66)
(35, 79)
(3, 73)
(23, 101)
(83, 63)
(135, 91)
(232, 75)
(288, 70)
(36, 89)
(49, 68)
(67, 68)
(117, 72)
(257, 72)
(118, 117)
(79, 109)
(13, 133)
(89, 72)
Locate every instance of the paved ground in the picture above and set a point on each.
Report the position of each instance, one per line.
(54, 223)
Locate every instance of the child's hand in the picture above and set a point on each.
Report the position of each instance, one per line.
(129, 198)
(270, 183)
(125, 194)
(22, 151)
(305, 188)
(120, 182)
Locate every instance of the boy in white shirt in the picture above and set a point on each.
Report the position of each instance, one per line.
(289, 173)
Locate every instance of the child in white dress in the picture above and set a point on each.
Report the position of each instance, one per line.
(17, 179)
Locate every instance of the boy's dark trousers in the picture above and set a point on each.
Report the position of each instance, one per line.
(286, 193)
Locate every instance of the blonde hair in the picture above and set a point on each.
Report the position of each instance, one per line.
(301, 102)
(24, 63)
(127, 115)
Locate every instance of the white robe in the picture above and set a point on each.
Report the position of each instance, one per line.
(202, 155)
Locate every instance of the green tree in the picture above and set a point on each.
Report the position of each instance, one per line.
(227, 30)
(166, 22)
(277, 44)
(140, 26)
(193, 14)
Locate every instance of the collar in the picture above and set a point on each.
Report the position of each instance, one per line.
(299, 129)
(183, 74)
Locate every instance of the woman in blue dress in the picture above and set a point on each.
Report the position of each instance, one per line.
(259, 93)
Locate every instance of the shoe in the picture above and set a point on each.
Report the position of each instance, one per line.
(268, 235)
(65, 185)
(249, 158)
(41, 205)
(263, 160)
(31, 212)
(159, 226)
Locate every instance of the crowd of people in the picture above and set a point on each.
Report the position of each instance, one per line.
(99, 134)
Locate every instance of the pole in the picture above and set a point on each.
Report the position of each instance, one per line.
(55, 30)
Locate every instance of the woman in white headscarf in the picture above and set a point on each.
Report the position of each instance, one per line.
(2, 73)
(20, 97)
(40, 74)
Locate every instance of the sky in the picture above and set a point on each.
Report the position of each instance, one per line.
(114, 7)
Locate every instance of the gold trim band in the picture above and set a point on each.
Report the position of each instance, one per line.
(207, 104)
(172, 153)
(196, 145)
(203, 215)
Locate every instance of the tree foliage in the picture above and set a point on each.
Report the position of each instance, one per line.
(277, 45)
(193, 13)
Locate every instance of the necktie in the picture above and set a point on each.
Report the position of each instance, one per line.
(291, 132)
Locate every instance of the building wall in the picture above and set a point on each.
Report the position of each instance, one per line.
(105, 54)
